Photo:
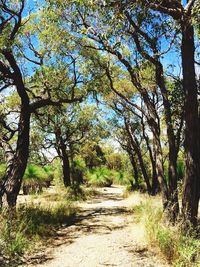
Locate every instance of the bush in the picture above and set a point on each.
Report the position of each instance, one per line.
(121, 178)
(12, 239)
(42, 220)
(32, 222)
(100, 177)
(180, 249)
(35, 178)
(78, 169)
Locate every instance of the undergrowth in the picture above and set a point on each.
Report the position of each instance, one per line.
(31, 224)
(180, 249)
(101, 176)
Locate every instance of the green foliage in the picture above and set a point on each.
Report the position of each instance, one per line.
(78, 170)
(180, 249)
(121, 177)
(41, 219)
(18, 234)
(12, 241)
(2, 170)
(57, 181)
(101, 176)
(180, 169)
(35, 178)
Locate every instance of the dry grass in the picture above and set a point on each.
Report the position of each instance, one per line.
(180, 250)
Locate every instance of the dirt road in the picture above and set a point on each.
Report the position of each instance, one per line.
(104, 234)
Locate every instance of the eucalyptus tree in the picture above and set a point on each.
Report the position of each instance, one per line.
(133, 138)
(181, 14)
(131, 33)
(40, 76)
(67, 129)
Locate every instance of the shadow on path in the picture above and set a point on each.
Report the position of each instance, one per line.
(100, 215)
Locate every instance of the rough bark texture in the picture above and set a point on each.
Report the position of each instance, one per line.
(135, 169)
(62, 152)
(152, 156)
(136, 148)
(155, 183)
(173, 205)
(192, 152)
(12, 180)
(66, 169)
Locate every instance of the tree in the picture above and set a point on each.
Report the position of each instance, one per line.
(182, 15)
(66, 129)
(107, 39)
(63, 90)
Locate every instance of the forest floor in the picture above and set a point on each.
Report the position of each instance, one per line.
(104, 233)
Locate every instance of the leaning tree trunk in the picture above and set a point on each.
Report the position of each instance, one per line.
(173, 205)
(191, 186)
(136, 148)
(160, 168)
(154, 183)
(11, 182)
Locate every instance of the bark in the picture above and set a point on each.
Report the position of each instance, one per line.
(135, 169)
(155, 183)
(151, 116)
(66, 168)
(160, 173)
(191, 186)
(136, 147)
(62, 152)
(152, 157)
(11, 182)
(173, 205)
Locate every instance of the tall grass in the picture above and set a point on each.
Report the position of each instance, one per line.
(180, 249)
(32, 223)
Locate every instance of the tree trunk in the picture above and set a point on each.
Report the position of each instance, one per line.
(11, 182)
(191, 186)
(135, 170)
(62, 153)
(160, 173)
(154, 186)
(155, 183)
(66, 168)
(173, 205)
(136, 147)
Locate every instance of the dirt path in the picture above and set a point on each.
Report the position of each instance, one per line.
(104, 234)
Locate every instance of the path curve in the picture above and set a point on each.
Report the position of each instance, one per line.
(104, 234)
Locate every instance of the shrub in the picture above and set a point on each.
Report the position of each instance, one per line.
(121, 178)
(100, 177)
(12, 239)
(32, 222)
(35, 178)
(180, 249)
(78, 169)
(40, 219)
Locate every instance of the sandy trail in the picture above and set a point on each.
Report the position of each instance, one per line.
(103, 234)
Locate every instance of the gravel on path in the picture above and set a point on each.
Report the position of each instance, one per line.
(103, 234)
